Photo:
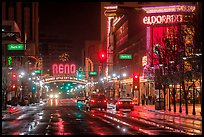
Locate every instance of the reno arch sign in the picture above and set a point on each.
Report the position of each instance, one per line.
(162, 19)
(63, 69)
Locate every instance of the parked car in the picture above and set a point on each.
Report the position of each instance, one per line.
(54, 96)
(81, 99)
(125, 103)
(97, 101)
(135, 101)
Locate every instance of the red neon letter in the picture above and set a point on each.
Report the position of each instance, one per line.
(61, 68)
(66, 69)
(54, 69)
(73, 68)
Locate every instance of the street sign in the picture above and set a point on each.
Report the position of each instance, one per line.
(10, 35)
(37, 71)
(15, 47)
(92, 73)
(125, 56)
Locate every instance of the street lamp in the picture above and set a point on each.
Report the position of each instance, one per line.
(124, 74)
(180, 108)
(194, 113)
(170, 97)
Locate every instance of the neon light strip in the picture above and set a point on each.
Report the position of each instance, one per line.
(111, 7)
(116, 20)
(174, 8)
(148, 46)
(107, 40)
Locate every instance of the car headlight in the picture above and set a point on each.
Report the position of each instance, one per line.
(56, 96)
(51, 96)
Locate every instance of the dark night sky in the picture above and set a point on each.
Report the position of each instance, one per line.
(76, 21)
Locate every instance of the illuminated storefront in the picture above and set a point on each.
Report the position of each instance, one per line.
(170, 36)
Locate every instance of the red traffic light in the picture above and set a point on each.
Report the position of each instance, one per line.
(14, 76)
(136, 76)
(13, 86)
(102, 56)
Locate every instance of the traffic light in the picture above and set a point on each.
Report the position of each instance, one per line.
(136, 81)
(14, 76)
(33, 87)
(102, 56)
(79, 74)
(13, 86)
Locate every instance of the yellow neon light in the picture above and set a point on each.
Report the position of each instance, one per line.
(173, 8)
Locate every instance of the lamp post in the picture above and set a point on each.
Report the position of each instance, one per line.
(185, 92)
(171, 61)
(174, 97)
(169, 99)
(180, 108)
(182, 83)
(194, 113)
(164, 88)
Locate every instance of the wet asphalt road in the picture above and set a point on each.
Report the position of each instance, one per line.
(65, 118)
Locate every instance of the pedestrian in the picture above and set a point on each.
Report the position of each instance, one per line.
(143, 99)
(153, 99)
(150, 99)
(146, 100)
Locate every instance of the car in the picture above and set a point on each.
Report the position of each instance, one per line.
(125, 103)
(81, 99)
(54, 96)
(97, 101)
(135, 101)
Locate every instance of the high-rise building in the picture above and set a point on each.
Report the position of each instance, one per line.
(25, 14)
(19, 26)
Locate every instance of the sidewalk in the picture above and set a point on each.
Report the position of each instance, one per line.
(10, 110)
(183, 114)
(15, 109)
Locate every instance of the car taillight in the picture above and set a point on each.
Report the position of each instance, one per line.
(132, 103)
(92, 100)
(120, 102)
(104, 101)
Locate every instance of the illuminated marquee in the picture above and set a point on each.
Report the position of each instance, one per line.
(63, 69)
(164, 19)
(63, 78)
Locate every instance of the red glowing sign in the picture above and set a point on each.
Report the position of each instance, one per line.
(164, 19)
(160, 36)
(63, 69)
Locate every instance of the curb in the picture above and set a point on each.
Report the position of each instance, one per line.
(189, 117)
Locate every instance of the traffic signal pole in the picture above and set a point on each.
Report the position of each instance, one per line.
(5, 81)
(136, 86)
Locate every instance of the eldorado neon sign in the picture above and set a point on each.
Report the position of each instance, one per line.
(151, 20)
(63, 69)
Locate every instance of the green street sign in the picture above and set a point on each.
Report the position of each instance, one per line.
(125, 56)
(37, 71)
(16, 47)
(92, 73)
